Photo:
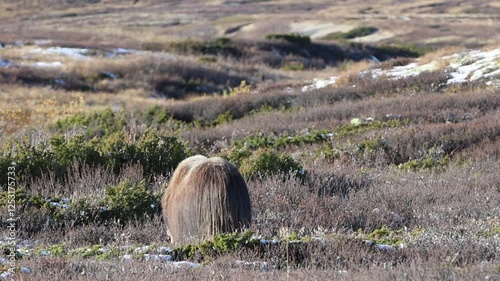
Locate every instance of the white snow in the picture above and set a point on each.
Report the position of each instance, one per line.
(462, 67)
(272, 242)
(319, 83)
(127, 257)
(141, 249)
(150, 257)
(53, 64)
(472, 65)
(184, 264)
(5, 274)
(164, 250)
(45, 253)
(5, 63)
(78, 53)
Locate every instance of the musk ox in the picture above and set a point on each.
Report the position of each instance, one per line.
(205, 197)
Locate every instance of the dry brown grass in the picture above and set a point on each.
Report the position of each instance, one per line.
(446, 214)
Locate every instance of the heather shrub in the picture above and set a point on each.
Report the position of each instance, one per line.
(127, 201)
(265, 162)
(291, 38)
(94, 124)
(157, 153)
(357, 32)
(219, 46)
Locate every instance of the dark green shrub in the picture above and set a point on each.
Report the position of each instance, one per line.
(403, 50)
(157, 153)
(77, 148)
(265, 162)
(236, 155)
(294, 38)
(30, 161)
(223, 118)
(127, 201)
(354, 33)
(117, 151)
(220, 46)
(94, 124)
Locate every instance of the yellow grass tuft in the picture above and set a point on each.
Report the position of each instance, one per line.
(349, 69)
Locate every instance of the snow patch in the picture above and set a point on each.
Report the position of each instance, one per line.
(462, 67)
(472, 65)
(185, 264)
(166, 258)
(5, 63)
(78, 53)
(54, 64)
(319, 83)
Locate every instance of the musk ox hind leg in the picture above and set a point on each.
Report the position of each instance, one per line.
(211, 198)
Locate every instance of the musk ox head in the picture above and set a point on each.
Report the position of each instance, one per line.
(205, 197)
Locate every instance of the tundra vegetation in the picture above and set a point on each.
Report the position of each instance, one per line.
(367, 134)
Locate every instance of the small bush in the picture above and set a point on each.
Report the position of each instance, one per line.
(264, 162)
(220, 46)
(293, 67)
(157, 153)
(95, 124)
(403, 50)
(294, 38)
(354, 33)
(243, 88)
(127, 201)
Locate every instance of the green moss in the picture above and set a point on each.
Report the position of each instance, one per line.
(387, 236)
(86, 252)
(54, 250)
(219, 245)
(96, 251)
(425, 163)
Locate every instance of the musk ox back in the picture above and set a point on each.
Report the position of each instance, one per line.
(204, 197)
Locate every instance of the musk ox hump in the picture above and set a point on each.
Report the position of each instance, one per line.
(205, 196)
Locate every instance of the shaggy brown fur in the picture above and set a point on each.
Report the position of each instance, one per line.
(205, 197)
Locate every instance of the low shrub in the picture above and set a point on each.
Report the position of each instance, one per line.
(354, 33)
(156, 152)
(294, 38)
(127, 201)
(220, 46)
(265, 162)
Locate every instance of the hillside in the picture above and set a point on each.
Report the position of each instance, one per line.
(368, 134)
